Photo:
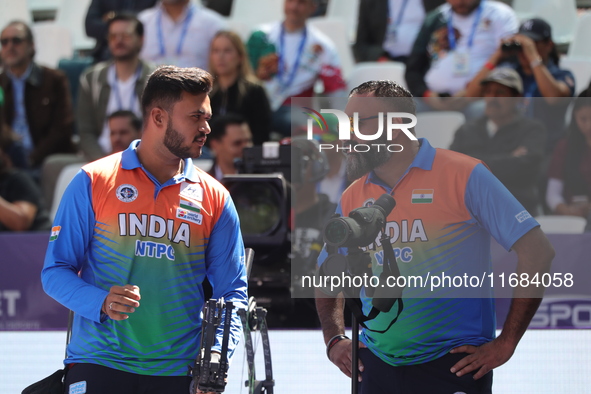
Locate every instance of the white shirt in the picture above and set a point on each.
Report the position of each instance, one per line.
(400, 38)
(319, 60)
(194, 48)
(122, 97)
(496, 22)
(334, 186)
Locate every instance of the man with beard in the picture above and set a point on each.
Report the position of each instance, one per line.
(135, 235)
(448, 205)
(111, 86)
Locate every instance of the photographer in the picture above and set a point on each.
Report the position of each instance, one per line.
(532, 53)
(448, 205)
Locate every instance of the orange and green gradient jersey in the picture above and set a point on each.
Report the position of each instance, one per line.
(118, 225)
(448, 206)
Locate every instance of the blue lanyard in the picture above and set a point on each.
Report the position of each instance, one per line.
(296, 65)
(184, 30)
(133, 95)
(450, 30)
(401, 13)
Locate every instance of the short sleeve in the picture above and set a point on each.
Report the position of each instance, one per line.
(495, 209)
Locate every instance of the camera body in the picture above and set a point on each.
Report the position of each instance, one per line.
(361, 227)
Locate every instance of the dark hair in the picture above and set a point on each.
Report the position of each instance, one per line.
(221, 123)
(28, 31)
(389, 89)
(575, 148)
(166, 85)
(553, 55)
(128, 17)
(135, 122)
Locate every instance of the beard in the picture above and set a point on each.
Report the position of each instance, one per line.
(360, 163)
(173, 141)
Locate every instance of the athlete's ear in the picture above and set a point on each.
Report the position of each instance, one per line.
(159, 116)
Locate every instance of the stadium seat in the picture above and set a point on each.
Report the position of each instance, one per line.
(52, 43)
(367, 71)
(14, 10)
(580, 67)
(256, 12)
(336, 30)
(73, 68)
(66, 175)
(560, 14)
(348, 10)
(580, 47)
(561, 224)
(439, 127)
(71, 15)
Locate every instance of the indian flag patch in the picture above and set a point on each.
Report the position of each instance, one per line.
(55, 232)
(422, 196)
(190, 206)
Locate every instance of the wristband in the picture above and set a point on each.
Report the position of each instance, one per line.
(535, 63)
(489, 66)
(333, 341)
(428, 93)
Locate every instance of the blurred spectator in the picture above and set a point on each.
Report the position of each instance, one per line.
(387, 29)
(37, 106)
(569, 175)
(533, 54)
(335, 181)
(311, 209)
(179, 33)
(453, 44)
(236, 89)
(511, 145)
(21, 206)
(111, 86)
(12, 146)
(229, 136)
(290, 56)
(97, 20)
(125, 127)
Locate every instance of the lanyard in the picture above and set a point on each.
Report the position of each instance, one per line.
(401, 13)
(133, 94)
(450, 30)
(185, 27)
(292, 72)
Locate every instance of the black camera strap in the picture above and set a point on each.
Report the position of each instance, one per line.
(390, 269)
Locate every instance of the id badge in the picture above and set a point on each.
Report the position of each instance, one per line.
(461, 64)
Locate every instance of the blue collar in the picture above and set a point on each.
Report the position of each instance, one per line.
(23, 77)
(423, 160)
(130, 161)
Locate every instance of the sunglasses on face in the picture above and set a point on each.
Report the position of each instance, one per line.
(351, 120)
(14, 40)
